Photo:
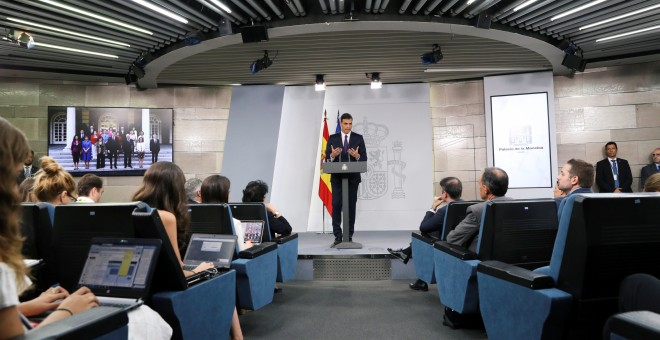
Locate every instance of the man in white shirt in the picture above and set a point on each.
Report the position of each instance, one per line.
(90, 189)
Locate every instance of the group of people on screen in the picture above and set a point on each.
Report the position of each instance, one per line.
(163, 188)
(108, 144)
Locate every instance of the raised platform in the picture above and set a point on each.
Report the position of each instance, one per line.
(317, 260)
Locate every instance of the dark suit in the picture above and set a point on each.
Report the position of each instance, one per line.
(647, 171)
(466, 233)
(433, 222)
(605, 178)
(113, 147)
(127, 148)
(354, 141)
(22, 177)
(278, 225)
(154, 146)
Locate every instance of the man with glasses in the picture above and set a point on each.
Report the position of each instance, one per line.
(650, 169)
(575, 177)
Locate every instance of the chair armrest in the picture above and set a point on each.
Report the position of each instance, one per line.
(636, 325)
(287, 238)
(257, 250)
(426, 238)
(454, 250)
(517, 275)
(88, 325)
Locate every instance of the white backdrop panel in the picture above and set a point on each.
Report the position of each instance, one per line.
(395, 122)
(297, 154)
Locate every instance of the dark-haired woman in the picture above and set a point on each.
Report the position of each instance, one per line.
(76, 148)
(163, 189)
(256, 191)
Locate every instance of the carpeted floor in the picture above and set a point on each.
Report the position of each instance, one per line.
(352, 310)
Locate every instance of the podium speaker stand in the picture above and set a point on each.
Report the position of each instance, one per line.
(345, 168)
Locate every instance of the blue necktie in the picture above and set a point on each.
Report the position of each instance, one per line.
(345, 143)
(657, 166)
(615, 171)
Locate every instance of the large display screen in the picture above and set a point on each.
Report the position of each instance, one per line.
(109, 141)
(521, 139)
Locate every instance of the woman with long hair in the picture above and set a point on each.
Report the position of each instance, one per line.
(76, 148)
(163, 189)
(14, 150)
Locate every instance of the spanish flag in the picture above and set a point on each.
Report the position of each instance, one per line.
(325, 190)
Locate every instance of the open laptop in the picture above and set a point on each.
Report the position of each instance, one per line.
(253, 231)
(119, 271)
(216, 248)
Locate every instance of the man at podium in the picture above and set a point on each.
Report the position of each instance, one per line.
(346, 146)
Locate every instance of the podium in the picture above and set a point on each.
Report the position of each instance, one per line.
(345, 168)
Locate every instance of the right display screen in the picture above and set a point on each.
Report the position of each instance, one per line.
(521, 139)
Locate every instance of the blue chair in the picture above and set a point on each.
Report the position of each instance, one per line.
(515, 231)
(287, 246)
(97, 323)
(37, 228)
(256, 267)
(604, 238)
(203, 311)
(422, 245)
(635, 325)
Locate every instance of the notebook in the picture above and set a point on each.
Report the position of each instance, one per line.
(119, 271)
(253, 231)
(216, 248)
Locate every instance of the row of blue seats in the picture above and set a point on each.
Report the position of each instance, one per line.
(603, 237)
(61, 235)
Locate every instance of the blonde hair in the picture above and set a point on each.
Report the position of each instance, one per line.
(652, 183)
(14, 150)
(51, 181)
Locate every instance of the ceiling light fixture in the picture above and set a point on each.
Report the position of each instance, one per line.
(161, 10)
(261, 63)
(577, 9)
(51, 28)
(432, 57)
(57, 47)
(222, 6)
(96, 16)
(320, 83)
(524, 4)
(375, 80)
(619, 17)
(643, 30)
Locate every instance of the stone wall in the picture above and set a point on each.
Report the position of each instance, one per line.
(200, 120)
(620, 103)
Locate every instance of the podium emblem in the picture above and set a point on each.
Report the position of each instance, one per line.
(344, 167)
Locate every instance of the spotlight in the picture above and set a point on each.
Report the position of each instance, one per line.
(375, 80)
(137, 70)
(25, 40)
(432, 57)
(261, 63)
(320, 83)
(193, 38)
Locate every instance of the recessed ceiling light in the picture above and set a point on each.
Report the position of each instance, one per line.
(51, 28)
(58, 47)
(619, 17)
(577, 9)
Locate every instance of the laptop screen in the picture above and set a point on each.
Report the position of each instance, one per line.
(253, 231)
(121, 268)
(216, 248)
